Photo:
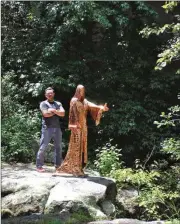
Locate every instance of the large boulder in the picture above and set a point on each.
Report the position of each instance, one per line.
(22, 191)
(26, 192)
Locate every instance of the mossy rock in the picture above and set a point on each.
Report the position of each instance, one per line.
(6, 213)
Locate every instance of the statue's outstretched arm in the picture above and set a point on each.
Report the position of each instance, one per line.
(96, 111)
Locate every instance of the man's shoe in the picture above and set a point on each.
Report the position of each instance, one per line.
(57, 166)
(40, 169)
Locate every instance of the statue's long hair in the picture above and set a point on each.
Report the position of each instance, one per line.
(78, 94)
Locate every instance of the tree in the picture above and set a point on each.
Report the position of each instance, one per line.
(170, 51)
(98, 45)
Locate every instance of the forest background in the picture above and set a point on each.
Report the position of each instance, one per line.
(126, 54)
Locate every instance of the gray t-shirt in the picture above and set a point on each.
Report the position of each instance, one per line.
(54, 121)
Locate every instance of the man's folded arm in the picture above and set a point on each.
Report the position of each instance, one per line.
(47, 113)
(60, 112)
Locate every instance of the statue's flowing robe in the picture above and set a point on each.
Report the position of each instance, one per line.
(77, 150)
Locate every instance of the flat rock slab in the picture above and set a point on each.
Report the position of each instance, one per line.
(126, 221)
(26, 191)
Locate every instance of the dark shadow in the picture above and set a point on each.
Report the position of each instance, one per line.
(111, 190)
(61, 175)
(99, 180)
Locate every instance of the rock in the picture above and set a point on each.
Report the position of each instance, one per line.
(134, 221)
(82, 194)
(101, 222)
(92, 172)
(126, 221)
(108, 207)
(126, 198)
(23, 192)
(27, 192)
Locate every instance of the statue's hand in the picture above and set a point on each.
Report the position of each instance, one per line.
(106, 108)
(78, 125)
(74, 130)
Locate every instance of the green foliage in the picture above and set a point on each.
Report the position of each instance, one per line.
(169, 6)
(78, 218)
(171, 119)
(18, 137)
(162, 201)
(156, 196)
(66, 43)
(56, 221)
(158, 203)
(74, 218)
(62, 44)
(174, 221)
(20, 128)
(172, 50)
(136, 178)
(158, 191)
(171, 145)
(108, 159)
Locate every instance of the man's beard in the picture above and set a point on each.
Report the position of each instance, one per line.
(82, 98)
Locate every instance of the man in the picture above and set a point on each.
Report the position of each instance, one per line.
(51, 111)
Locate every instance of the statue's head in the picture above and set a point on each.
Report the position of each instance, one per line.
(80, 92)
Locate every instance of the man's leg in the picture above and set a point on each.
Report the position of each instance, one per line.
(46, 136)
(57, 147)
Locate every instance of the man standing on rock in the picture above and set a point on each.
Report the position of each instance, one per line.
(51, 111)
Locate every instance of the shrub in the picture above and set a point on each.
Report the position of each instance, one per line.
(18, 134)
(108, 159)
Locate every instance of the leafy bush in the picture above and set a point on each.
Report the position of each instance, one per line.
(159, 192)
(135, 178)
(157, 203)
(108, 159)
(172, 146)
(19, 132)
(20, 126)
(174, 221)
(155, 198)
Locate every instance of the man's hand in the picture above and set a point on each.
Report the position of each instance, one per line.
(60, 113)
(52, 110)
(47, 113)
